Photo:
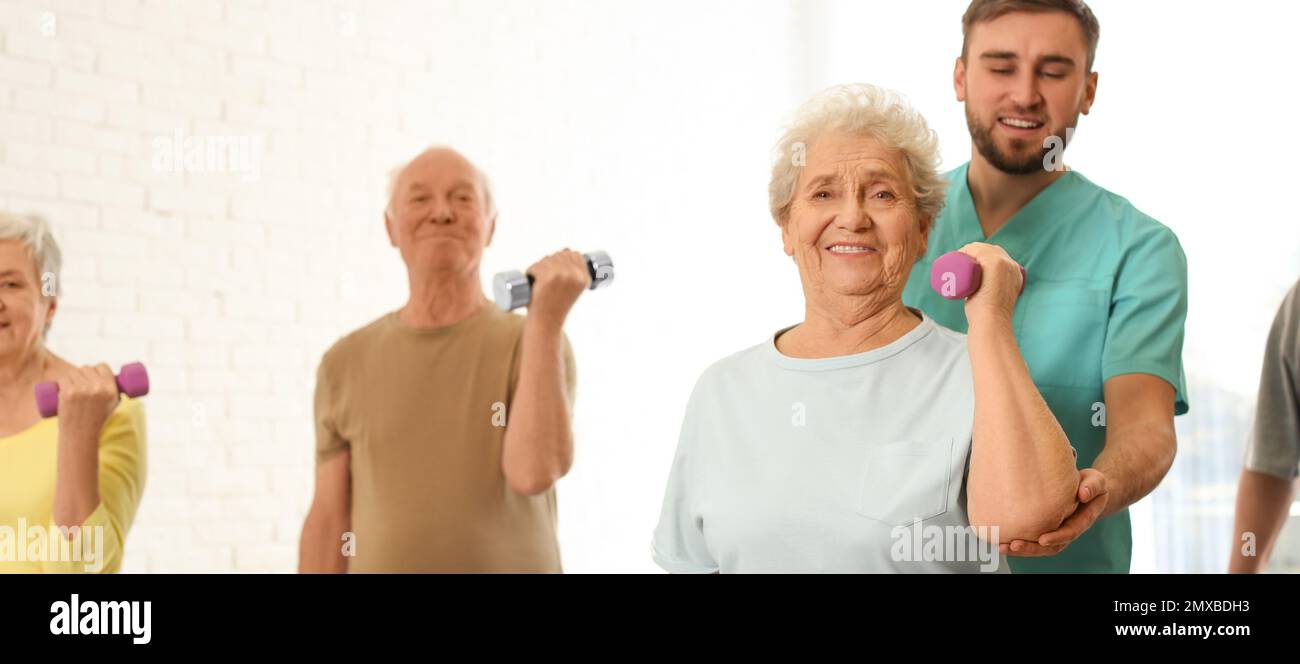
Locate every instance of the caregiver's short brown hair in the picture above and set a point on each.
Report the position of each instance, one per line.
(981, 11)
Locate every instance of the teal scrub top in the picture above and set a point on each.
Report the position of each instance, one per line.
(1106, 296)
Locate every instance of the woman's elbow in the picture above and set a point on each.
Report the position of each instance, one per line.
(1025, 520)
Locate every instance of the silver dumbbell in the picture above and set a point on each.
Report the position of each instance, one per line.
(514, 289)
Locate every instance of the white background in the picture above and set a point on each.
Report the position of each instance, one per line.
(642, 128)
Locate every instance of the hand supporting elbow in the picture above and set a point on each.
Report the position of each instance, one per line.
(1027, 514)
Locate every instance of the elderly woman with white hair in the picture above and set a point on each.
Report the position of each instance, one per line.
(836, 444)
(70, 484)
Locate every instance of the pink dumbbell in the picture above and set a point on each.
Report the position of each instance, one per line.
(955, 276)
(132, 380)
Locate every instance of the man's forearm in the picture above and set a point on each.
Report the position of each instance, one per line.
(538, 448)
(1263, 505)
(1134, 461)
(320, 550)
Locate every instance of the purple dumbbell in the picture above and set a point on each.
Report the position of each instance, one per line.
(132, 380)
(956, 276)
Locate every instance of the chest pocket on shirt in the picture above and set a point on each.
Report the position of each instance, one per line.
(906, 481)
(1063, 333)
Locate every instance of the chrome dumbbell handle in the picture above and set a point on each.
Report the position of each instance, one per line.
(514, 289)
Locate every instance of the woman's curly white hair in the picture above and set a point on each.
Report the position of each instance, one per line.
(864, 110)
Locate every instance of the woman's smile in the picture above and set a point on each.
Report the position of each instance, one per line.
(851, 250)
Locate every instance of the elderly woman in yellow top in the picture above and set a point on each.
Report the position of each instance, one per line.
(69, 485)
(866, 438)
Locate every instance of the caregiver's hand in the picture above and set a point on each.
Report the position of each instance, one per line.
(1092, 503)
(999, 288)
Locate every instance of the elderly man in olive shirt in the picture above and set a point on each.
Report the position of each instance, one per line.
(442, 427)
(1273, 456)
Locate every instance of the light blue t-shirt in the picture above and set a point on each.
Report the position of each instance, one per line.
(846, 464)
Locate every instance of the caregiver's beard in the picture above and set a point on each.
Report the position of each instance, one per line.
(982, 136)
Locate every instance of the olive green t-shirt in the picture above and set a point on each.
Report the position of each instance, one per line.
(422, 411)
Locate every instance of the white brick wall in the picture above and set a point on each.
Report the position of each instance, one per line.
(597, 125)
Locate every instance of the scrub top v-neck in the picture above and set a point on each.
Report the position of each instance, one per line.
(1106, 295)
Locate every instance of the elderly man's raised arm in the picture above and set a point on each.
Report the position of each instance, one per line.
(1023, 478)
(538, 446)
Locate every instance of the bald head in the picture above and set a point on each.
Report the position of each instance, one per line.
(440, 216)
(434, 159)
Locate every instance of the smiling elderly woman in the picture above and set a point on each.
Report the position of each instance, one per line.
(76, 477)
(825, 447)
